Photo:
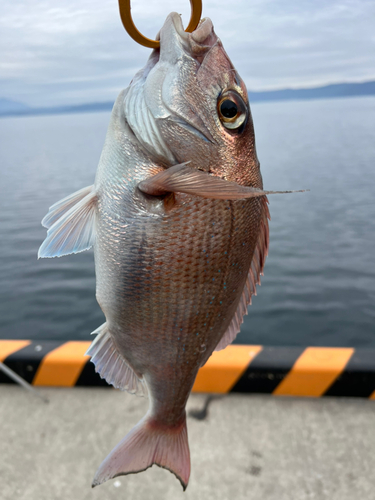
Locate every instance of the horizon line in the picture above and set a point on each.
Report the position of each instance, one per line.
(348, 89)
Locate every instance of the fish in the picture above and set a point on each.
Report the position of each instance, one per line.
(178, 220)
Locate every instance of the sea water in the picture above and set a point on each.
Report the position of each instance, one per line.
(319, 283)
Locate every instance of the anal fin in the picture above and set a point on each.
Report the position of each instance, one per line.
(111, 365)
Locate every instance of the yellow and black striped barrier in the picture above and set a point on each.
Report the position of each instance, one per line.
(281, 371)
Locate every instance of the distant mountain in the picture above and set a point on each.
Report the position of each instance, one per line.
(8, 107)
(326, 92)
(56, 110)
(13, 108)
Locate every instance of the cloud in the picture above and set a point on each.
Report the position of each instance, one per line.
(77, 50)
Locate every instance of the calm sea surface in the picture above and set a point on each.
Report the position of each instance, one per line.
(319, 283)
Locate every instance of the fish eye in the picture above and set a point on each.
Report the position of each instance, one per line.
(232, 110)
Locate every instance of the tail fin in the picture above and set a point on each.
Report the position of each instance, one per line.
(146, 444)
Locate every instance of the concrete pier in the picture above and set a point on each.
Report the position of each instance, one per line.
(242, 447)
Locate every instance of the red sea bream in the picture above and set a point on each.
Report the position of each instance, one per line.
(178, 221)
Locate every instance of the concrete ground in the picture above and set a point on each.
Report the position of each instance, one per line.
(246, 447)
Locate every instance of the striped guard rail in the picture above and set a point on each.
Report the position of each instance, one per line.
(281, 371)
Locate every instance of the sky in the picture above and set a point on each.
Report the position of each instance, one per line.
(77, 51)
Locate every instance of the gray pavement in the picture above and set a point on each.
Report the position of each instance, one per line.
(247, 447)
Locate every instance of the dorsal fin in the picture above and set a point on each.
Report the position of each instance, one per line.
(253, 279)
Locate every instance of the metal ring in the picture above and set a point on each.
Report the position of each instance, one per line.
(127, 21)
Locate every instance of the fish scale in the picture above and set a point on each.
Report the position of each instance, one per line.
(155, 299)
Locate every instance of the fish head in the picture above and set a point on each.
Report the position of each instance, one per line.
(190, 104)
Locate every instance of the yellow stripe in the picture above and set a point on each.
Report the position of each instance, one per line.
(314, 371)
(8, 347)
(224, 368)
(63, 365)
(372, 395)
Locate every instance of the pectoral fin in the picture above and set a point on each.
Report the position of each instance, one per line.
(185, 179)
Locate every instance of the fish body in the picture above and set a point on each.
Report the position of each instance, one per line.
(178, 247)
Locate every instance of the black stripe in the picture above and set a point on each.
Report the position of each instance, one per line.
(89, 377)
(268, 369)
(26, 361)
(358, 378)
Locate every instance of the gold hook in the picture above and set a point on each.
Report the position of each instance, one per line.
(127, 21)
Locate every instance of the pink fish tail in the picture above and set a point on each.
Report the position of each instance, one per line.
(148, 443)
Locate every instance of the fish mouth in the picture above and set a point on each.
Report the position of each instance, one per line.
(174, 40)
(195, 44)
